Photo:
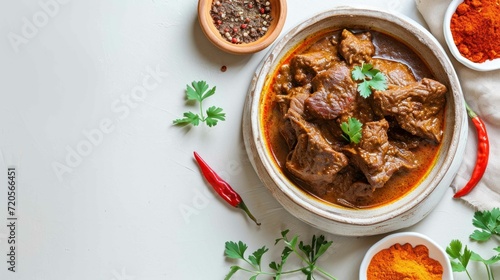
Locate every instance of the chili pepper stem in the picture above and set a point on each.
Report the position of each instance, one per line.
(470, 112)
(244, 207)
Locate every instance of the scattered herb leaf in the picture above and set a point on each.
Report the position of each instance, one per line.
(352, 130)
(236, 250)
(199, 91)
(370, 78)
(459, 258)
(309, 254)
(489, 224)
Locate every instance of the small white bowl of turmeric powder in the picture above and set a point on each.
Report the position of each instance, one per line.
(471, 32)
(405, 255)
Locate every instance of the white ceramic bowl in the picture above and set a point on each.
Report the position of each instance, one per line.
(435, 251)
(361, 222)
(485, 66)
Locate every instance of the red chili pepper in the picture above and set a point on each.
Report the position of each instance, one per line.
(483, 153)
(222, 187)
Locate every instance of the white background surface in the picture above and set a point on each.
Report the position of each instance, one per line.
(131, 203)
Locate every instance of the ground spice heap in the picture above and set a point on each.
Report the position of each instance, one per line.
(241, 21)
(404, 262)
(475, 27)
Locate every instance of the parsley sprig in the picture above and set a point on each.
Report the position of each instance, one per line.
(370, 78)
(198, 91)
(309, 254)
(352, 130)
(488, 224)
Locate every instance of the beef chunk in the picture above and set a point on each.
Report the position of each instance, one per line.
(361, 109)
(397, 73)
(416, 107)
(305, 66)
(312, 160)
(356, 48)
(358, 189)
(283, 80)
(356, 193)
(293, 102)
(325, 44)
(376, 157)
(333, 93)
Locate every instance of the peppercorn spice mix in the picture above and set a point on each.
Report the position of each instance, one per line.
(241, 21)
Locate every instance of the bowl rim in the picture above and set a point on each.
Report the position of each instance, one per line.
(208, 28)
(414, 238)
(488, 65)
(325, 216)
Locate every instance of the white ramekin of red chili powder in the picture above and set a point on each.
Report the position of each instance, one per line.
(471, 33)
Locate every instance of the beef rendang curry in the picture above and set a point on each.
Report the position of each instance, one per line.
(312, 93)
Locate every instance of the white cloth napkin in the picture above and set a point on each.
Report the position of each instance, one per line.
(482, 93)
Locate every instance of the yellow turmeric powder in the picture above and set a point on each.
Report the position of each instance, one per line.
(404, 262)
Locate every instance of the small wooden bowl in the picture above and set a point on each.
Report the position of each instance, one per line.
(278, 13)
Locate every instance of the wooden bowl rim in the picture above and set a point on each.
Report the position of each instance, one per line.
(278, 11)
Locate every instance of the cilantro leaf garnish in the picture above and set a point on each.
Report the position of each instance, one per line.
(309, 254)
(199, 91)
(370, 78)
(352, 130)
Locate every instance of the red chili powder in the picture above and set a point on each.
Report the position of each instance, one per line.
(475, 27)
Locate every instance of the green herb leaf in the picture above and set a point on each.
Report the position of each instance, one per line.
(378, 81)
(460, 259)
(283, 236)
(232, 270)
(256, 257)
(369, 78)
(352, 130)
(214, 114)
(285, 254)
(189, 118)
(357, 73)
(476, 257)
(488, 223)
(322, 249)
(235, 250)
(273, 265)
(479, 235)
(454, 249)
(292, 243)
(306, 249)
(198, 91)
